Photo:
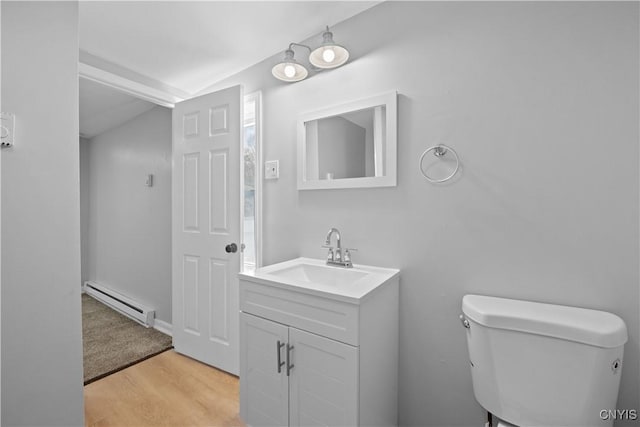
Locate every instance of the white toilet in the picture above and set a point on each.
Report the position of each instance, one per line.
(537, 364)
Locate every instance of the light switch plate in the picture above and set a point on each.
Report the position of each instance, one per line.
(271, 169)
(7, 129)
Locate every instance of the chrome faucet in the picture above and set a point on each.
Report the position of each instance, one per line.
(336, 256)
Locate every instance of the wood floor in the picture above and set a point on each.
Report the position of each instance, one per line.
(165, 390)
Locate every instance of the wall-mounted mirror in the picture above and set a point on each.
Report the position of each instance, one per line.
(350, 145)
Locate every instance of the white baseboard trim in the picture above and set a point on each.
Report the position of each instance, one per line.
(164, 327)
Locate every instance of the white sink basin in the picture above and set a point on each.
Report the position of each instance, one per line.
(319, 274)
(315, 277)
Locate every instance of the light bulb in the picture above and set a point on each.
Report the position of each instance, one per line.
(289, 70)
(328, 55)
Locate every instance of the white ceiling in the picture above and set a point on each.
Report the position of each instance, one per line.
(185, 47)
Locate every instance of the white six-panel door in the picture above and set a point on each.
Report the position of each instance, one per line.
(205, 223)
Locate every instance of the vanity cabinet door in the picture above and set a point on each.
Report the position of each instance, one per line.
(264, 392)
(323, 385)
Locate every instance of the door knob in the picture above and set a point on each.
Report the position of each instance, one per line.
(231, 248)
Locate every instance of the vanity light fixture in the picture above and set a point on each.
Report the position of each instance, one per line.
(289, 70)
(328, 55)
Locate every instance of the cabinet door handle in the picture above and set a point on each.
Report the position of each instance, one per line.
(289, 365)
(279, 346)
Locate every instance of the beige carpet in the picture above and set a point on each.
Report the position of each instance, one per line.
(112, 342)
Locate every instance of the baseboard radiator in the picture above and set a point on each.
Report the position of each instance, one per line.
(121, 303)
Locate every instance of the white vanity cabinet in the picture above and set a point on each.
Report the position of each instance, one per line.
(320, 387)
(311, 357)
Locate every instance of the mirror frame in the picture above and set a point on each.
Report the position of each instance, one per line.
(390, 101)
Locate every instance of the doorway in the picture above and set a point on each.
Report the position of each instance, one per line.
(251, 196)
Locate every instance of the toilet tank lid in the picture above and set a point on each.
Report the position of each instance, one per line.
(594, 327)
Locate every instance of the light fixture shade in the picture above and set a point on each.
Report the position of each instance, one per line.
(329, 54)
(289, 70)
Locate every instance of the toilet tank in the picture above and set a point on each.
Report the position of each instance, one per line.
(535, 364)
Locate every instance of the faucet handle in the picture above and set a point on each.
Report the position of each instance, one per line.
(346, 257)
(330, 254)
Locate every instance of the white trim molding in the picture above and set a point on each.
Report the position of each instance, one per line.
(127, 86)
(164, 327)
(101, 71)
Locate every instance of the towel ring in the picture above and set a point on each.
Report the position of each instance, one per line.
(439, 151)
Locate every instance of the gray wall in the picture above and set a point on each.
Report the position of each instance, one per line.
(129, 224)
(41, 330)
(540, 100)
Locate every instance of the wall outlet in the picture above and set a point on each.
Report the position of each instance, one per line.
(271, 169)
(7, 130)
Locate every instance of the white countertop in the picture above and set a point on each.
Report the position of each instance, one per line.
(314, 276)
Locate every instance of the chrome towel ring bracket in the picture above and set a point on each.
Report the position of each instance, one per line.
(439, 151)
